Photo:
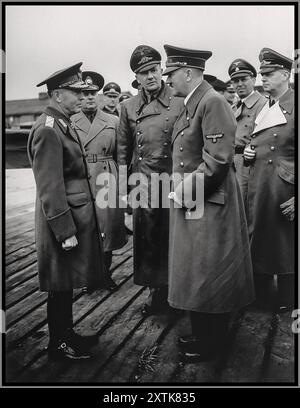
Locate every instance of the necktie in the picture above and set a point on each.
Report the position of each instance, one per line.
(271, 102)
(240, 103)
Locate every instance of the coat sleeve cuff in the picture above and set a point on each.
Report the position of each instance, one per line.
(62, 225)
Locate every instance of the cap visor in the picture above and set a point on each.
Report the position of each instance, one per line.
(266, 70)
(241, 74)
(168, 70)
(111, 93)
(146, 67)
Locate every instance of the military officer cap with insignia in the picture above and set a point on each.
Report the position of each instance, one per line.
(271, 60)
(144, 58)
(219, 85)
(112, 89)
(93, 80)
(67, 78)
(211, 79)
(241, 68)
(135, 84)
(184, 58)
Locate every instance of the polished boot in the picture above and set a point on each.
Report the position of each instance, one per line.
(59, 315)
(109, 282)
(286, 293)
(209, 331)
(157, 301)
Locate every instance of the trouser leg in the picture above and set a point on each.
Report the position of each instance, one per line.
(210, 328)
(286, 291)
(108, 261)
(264, 289)
(59, 314)
(157, 298)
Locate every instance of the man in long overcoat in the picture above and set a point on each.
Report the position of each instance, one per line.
(68, 240)
(243, 76)
(97, 131)
(271, 156)
(210, 273)
(144, 145)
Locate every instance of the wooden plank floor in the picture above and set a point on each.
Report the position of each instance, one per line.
(131, 348)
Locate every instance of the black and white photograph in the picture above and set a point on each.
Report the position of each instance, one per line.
(149, 215)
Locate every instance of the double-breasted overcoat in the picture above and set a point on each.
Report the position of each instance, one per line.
(99, 138)
(245, 116)
(271, 183)
(209, 266)
(144, 145)
(64, 206)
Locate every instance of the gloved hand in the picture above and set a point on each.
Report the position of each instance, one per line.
(288, 209)
(69, 243)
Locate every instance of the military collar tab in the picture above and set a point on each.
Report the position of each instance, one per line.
(286, 101)
(196, 97)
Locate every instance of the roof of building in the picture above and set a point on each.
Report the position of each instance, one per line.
(25, 106)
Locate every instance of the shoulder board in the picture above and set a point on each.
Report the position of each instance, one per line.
(49, 121)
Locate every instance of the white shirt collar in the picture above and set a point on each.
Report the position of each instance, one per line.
(190, 94)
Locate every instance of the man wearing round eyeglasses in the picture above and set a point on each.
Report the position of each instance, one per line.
(97, 131)
(243, 77)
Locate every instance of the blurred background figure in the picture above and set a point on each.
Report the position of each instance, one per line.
(111, 93)
(229, 94)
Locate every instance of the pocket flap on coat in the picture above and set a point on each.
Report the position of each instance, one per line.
(218, 197)
(77, 199)
(286, 172)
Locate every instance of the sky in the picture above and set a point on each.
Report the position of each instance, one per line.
(43, 39)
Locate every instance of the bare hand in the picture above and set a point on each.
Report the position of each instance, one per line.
(69, 243)
(249, 153)
(288, 209)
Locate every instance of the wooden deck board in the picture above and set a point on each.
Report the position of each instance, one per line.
(260, 346)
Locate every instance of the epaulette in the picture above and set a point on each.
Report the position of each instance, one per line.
(49, 121)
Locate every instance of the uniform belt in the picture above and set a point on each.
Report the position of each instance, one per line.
(94, 158)
(239, 149)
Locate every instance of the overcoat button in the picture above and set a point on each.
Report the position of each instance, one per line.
(140, 158)
(275, 134)
(181, 148)
(272, 148)
(182, 133)
(270, 161)
(165, 156)
(181, 164)
(165, 143)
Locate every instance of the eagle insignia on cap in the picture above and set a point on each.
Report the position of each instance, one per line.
(237, 69)
(89, 80)
(266, 62)
(144, 59)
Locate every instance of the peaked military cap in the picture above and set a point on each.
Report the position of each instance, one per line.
(184, 58)
(271, 60)
(240, 68)
(135, 84)
(67, 78)
(124, 96)
(219, 85)
(144, 58)
(112, 89)
(93, 80)
(210, 78)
